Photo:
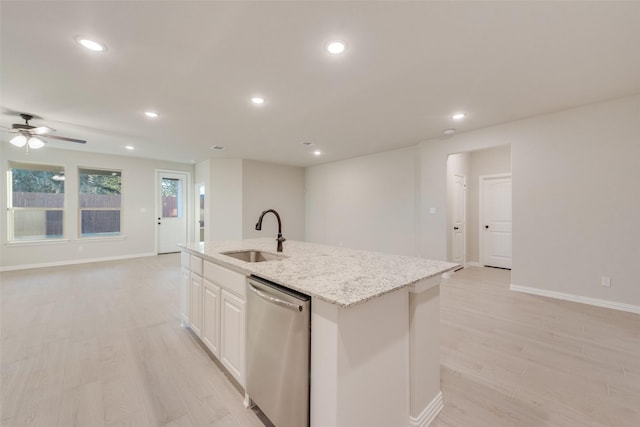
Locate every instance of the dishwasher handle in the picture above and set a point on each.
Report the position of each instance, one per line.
(281, 303)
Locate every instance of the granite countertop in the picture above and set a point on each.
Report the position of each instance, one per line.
(334, 274)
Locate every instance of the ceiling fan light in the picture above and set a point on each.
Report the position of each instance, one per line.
(18, 140)
(35, 143)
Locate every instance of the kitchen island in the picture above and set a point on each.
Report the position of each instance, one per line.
(374, 325)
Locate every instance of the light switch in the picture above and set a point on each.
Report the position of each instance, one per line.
(432, 211)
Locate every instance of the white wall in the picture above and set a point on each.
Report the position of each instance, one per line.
(138, 208)
(457, 164)
(237, 191)
(575, 197)
(490, 161)
(270, 186)
(224, 221)
(364, 203)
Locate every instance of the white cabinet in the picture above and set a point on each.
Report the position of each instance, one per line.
(211, 317)
(232, 334)
(195, 308)
(185, 284)
(212, 304)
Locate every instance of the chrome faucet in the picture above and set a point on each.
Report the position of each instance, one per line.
(280, 239)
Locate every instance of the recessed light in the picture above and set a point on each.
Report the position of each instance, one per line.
(257, 100)
(129, 147)
(317, 153)
(151, 114)
(458, 116)
(217, 147)
(307, 143)
(336, 47)
(90, 44)
(449, 131)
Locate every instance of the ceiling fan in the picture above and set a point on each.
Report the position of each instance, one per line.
(28, 135)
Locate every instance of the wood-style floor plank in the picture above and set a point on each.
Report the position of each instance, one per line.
(101, 345)
(511, 359)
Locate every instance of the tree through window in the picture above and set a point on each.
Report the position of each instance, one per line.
(100, 202)
(36, 202)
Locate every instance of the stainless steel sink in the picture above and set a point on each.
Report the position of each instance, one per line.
(253, 256)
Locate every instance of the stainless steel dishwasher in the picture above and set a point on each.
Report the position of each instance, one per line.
(278, 352)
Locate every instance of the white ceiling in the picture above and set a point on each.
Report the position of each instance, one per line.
(407, 68)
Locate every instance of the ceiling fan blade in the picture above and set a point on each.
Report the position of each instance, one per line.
(62, 138)
(41, 130)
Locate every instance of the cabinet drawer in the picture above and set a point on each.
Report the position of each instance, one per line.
(230, 280)
(196, 265)
(185, 259)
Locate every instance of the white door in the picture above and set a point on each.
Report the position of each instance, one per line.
(172, 211)
(459, 218)
(495, 220)
(185, 286)
(195, 306)
(211, 316)
(232, 313)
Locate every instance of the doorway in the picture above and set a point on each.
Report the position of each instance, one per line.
(464, 229)
(459, 227)
(201, 213)
(171, 210)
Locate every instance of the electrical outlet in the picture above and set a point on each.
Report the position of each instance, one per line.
(605, 281)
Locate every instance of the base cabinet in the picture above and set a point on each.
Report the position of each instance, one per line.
(232, 334)
(195, 310)
(185, 284)
(211, 317)
(212, 304)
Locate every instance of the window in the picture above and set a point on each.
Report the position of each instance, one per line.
(100, 202)
(171, 195)
(36, 202)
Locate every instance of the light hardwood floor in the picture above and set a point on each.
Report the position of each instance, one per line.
(101, 345)
(511, 359)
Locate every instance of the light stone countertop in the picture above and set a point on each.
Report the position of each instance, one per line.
(334, 274)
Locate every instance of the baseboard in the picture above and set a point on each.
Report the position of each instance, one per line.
(577, 298)
(75, 261)
(472, 264)
(429, 413)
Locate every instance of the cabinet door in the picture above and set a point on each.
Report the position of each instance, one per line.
(195, 308)
(211, 316)
(185, 284)
(232, 335)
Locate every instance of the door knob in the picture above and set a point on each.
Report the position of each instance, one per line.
(486, 226)
(455, 228)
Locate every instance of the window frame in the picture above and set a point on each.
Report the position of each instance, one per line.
(110, 236)
(11, 209)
